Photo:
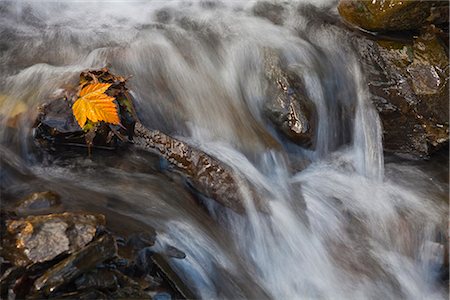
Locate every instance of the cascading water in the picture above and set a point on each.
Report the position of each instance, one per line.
(339, 226)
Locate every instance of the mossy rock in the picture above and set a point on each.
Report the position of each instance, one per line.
(392, 15)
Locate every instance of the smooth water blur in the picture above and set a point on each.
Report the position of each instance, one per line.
(340, 225)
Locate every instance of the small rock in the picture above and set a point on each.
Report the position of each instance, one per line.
(38, 203)
(171, 251)
(56, 123)
(42, 238)
(171, 277)
(8, 279)
(288, 107)
(102, 279)
(144, 262)
(141, 240)
(67, 270)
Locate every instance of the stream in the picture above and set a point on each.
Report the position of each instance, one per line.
(345, 220)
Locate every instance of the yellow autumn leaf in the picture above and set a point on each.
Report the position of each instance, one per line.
(95, 105)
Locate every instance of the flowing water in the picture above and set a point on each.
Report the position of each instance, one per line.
(343, 223)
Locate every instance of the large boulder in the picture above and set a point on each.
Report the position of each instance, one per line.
(408, 82)
(386, 15)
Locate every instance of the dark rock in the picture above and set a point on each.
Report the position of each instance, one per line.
(208, 175)
(8, 279)
(130, 292)
(171, 277)
(38, 203)
(102, 279)
(409, 87)
(171, 251)
(273, 12)
(384, 15)
(162, 296)
(56, 123)
(69, 269)
(151, 282)
(288, 107)
(143, 262)
(141, 240)
(41, 238)
(83, 295)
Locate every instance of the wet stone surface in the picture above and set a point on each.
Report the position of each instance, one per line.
(38, 203)
(42, 238)
(56, 124)
(408, 82)
(287, 105)
(386, 15)
(73, 256)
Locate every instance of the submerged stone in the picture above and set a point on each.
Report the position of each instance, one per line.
(38, 203)
(174, 252)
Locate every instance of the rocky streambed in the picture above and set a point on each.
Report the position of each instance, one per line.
(94, 215)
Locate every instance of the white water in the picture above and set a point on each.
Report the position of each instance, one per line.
(198, 74)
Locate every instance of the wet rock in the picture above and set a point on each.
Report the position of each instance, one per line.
(102, 279)
(273, 12)
(172, 278)
(8, 279)
(38, 203)
(42, 238)
(130, 293)
(69, 269)
(56, 124)
(141, 240)
(208, 175)
(288, 107)
(162, 296)
(174, 252)
(85, 294)
(384, 15)
(409, 87)
(143, 263)
(129, 289)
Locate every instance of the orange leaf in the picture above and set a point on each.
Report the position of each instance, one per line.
(95, 105)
